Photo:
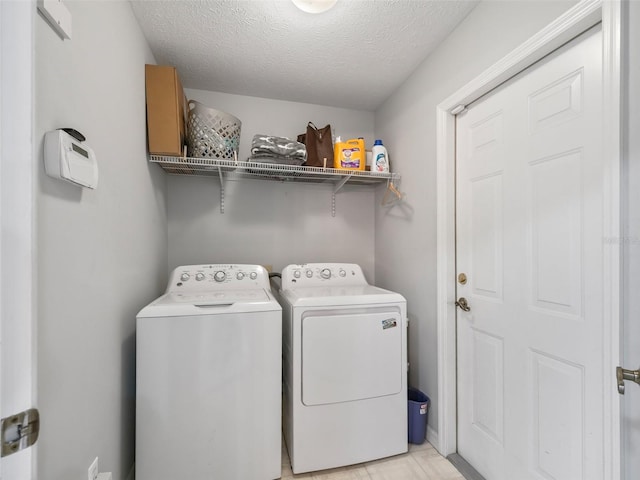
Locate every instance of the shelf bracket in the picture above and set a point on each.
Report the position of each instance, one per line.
(336, 189)
(340, 184)
(221, 190)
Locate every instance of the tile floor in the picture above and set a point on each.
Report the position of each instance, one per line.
(422, 462)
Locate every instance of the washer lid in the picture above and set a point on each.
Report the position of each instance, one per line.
(222, 296)
(216, 302)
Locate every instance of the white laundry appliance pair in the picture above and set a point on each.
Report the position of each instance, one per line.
(208, 387)
(344, 367)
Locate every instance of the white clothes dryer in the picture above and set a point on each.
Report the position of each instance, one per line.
(208, 380)
(344, 367)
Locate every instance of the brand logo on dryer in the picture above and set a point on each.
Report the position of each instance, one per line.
(389, 323)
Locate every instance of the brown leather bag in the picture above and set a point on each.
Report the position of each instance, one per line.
(319, 145)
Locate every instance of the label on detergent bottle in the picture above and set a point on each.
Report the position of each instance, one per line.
(350, 158)
(350, 155)
(380, 162)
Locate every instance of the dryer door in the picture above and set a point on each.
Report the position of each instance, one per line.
(351, 356)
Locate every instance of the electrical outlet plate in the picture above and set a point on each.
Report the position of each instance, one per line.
(92, 473)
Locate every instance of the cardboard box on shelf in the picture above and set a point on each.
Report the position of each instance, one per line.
(166, 110)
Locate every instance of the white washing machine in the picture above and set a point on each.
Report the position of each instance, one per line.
(208, 379)
(345, 367)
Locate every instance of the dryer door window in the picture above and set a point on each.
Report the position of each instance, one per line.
(349, 357)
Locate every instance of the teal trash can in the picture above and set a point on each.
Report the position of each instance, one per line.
(418, 415)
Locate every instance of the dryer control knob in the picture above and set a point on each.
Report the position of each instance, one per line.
(253, 275)
(219, 276)
(240, 276)
(184, 277)
(296, 274)
(343, 273)
(199, 277)
(309, 273)
(325, 273)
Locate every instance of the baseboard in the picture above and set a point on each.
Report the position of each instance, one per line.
(132, 472)
(432, 437)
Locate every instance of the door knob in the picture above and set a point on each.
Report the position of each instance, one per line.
(623, 374)
(462, 303)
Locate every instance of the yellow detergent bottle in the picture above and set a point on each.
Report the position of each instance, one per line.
(349, 155)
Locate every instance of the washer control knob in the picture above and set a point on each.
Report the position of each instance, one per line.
(253, 275)
(343, 273)
(240, 276)
(199, 277)
(184, 277)
(325, 273)
(219, 276)
(309, 273)
(296, 274)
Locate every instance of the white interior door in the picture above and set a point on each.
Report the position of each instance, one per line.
(529, 208)
(17, 277)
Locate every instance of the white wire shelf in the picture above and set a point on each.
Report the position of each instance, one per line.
(231, 169)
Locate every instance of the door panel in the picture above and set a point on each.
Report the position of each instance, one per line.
(486, 246)
(488, 384)
(530, 240)
(557, 102)
(558, 411)
(556, 233)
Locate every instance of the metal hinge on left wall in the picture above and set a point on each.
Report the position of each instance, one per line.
(19, 431)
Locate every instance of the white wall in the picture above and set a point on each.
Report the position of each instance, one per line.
(631, 239)
(272, 222)
(405, 249)
(285, 119)
(102, 255)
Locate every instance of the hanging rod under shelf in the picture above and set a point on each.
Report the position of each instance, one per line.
(268, 171)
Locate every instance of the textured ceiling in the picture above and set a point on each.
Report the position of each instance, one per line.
(353, 56)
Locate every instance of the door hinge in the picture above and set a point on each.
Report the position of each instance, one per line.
(19, 431)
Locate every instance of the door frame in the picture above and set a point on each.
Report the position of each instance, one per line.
(18, 169)
(575, 21)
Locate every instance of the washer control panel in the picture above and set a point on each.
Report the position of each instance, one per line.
(200, 278)
(325, 274)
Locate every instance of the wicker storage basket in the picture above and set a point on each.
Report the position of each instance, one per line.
(212, 133)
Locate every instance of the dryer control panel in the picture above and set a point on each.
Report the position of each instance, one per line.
(216, 277)
(325, 274)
